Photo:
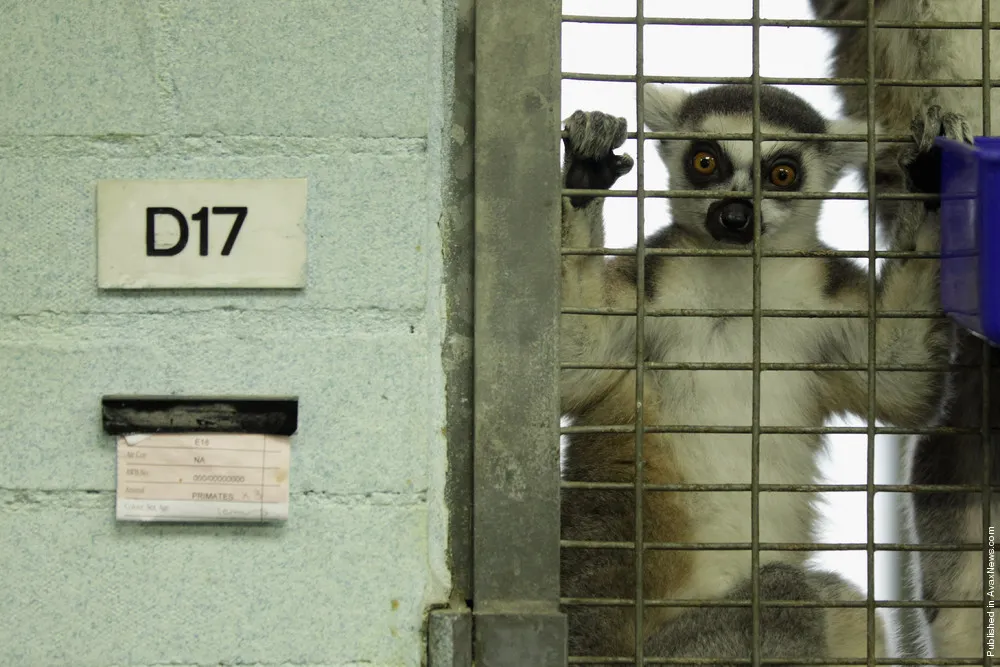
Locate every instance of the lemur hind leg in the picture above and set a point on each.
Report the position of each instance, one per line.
(726, 633)
(787, 633)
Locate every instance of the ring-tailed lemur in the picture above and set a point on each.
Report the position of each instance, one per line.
(788, 398)
(935, 518)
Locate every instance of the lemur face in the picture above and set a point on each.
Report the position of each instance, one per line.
(727, 165)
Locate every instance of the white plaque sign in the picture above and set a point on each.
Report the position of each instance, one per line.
(212, 233)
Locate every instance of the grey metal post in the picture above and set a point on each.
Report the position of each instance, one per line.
(517, 256)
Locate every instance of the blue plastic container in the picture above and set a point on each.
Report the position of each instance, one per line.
(970, 234)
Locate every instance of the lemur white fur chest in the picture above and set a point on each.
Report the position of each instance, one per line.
(725, 398)
(719, 398)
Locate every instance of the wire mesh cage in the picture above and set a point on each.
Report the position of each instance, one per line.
(946, 473)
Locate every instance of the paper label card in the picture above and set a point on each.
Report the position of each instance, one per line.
(203, 477)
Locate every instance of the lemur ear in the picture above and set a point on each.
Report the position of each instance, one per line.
(661, 109)
(852, 154)
(661, 105)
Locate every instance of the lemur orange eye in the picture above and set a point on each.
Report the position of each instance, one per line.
(783, 175)
(704, 163)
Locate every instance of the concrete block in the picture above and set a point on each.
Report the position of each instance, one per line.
(364, 417)
(339, 584)
(335, 91)
(366, 226)
(302, 67)
(81, 67)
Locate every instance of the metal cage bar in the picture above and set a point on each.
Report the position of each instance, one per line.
(985, 432)
(764, 546)
(786, 23)
(872, 324)
(802, 604)
(701, 194)
(789, 81)
(741, 312)
(832, 662)
(755, 431)
(786, 488)
(640, 335)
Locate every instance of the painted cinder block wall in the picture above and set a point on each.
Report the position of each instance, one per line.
(350, 94)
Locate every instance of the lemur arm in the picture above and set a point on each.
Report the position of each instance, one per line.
(590, 281)
(903, 398)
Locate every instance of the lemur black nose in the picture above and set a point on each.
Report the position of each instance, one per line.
(737, 215)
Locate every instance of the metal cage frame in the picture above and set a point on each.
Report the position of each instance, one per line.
(504, 554)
